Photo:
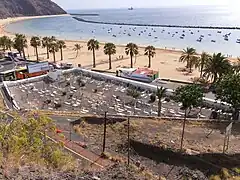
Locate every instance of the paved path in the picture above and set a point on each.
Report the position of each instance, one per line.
(95, 160)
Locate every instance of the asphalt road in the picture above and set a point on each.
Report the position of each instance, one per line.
(174, 85)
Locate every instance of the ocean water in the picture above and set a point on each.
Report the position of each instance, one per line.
(68, 28)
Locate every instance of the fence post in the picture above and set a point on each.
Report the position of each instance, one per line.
(104, 132)
(128, 141)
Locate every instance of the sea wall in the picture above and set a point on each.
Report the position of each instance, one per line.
(156, 25)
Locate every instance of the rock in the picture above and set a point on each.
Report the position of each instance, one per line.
(189, 151)
(96, 178)
(162, 178)
(12, 8)
(138, 163)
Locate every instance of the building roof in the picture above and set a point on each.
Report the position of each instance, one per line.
(145, 71)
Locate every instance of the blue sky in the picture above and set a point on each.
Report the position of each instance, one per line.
(103, 4)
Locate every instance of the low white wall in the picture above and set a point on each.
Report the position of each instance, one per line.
(10, 97)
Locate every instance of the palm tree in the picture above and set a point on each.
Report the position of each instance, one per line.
(217, 66)
(53, 48)
(110, 49)
(61, 45)
(46, 41)
(20, 42)
(77, 47)
(92, 46)
(202, 61)
(189, 56)
(160, 94)
(9, 44)
(150, 52)
(132, 50)
(35, 42)
(45, 44)
(3, 42)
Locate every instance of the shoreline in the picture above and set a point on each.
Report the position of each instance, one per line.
(166, 60)
(4, 22)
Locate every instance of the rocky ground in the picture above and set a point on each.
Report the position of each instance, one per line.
(154, 145)
(116, 172)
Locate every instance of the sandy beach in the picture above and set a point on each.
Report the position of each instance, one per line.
(165, 61)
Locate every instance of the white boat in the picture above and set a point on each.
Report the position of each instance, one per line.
(213, 41)
(238, 41)
(131, 8)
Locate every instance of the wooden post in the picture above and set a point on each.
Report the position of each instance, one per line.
(70, 132)
(104, 132)
(128, 141)
(183, 130)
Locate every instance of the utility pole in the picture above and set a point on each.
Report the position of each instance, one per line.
(104, 132)
(70, 129)
(183, 130)
(128, 141)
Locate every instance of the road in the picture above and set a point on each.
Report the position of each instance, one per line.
(175, 85)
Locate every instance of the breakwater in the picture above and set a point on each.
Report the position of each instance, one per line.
(156, 25)
(75, 14)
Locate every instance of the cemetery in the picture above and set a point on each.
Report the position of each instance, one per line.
(88, 95)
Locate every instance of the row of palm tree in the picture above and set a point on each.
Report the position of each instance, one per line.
(110, 49)
(212, 67)
(20, 43)
(53, 45)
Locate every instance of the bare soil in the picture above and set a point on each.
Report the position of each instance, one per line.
(155, 144)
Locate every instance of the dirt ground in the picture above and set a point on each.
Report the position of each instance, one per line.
(155, 144)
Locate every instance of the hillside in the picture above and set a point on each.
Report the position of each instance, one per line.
(12, 8)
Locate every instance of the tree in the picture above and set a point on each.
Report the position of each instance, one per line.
(216, 67)
(46, 41)
(110, 49)
(92, 46)
(35, 42)
(26, 137)
(77, 47)
(5, 43)
(134, 94)
(132, 50)
(20, 42)
(9, 44)
(189, 56)
(160, 94)
(228, 90)
(236, 66)
(150, 52)
(61, 45)
(46, 44)
(53, 48)
(202, 61)
(190, 96)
